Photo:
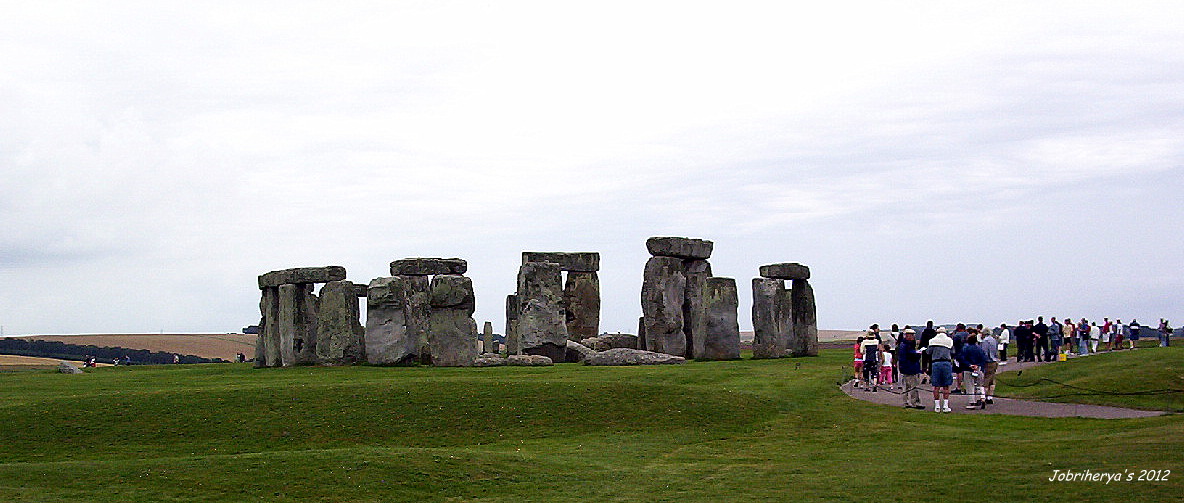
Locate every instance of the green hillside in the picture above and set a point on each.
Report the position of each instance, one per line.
(706, 431)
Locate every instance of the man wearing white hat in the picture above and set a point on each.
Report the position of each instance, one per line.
(941, 369)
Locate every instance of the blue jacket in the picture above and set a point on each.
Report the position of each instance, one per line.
(972, 354)
(908, 358)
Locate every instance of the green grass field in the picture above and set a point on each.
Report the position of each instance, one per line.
(772, 430)
(1120, 378)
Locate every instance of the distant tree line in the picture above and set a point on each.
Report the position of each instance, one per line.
(78, 352)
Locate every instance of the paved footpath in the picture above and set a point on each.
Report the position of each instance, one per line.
(1002, 405)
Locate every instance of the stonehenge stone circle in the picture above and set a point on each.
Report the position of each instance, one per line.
(541, 325)
(721, 338)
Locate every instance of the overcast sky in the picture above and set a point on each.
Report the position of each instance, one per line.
(957, 161)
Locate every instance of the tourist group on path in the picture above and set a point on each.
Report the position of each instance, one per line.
(970, 357)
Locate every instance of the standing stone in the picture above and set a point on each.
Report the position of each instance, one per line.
(640, 333)
(512, 309)
(340, 337)
(452, 331)
(663, 290)
(693, 315)
(784, 313)
(684, 248)
(487, 338)
(805, 319)
(542, 328)
(581, 300)
(721, 338)
(389, 339)
(297, 324)
(269, 328)
(418, 307)
(764, 317)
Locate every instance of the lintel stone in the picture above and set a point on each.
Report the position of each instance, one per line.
(428, 266)
(785, 270)
(684, 248)
(568, 261)
(301, 275)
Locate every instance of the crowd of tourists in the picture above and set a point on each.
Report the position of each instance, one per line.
(965, 361)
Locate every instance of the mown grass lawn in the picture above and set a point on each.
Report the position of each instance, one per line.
(1137, 379)
(706, 431)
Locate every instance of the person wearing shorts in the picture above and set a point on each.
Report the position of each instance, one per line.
(941, 369)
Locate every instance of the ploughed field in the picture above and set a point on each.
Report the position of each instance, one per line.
(772, 430)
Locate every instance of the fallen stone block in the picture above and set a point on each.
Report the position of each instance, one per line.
(528, 361)
(626, 356)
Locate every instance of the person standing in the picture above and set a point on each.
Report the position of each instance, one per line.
(1055, 331)
(1040, 336)
(1120, 334)
(1023, 338)
(960, 335)
(889, 339)
(1004, 341)
(974, 360)
(909, 363)
(871, 360)
(1135, 328)
(1165, 333)
(990, 348)
(1107, 333)
(886, 366)
(1095, 335)
(926, 335)
(941, 369)
(858, 362)
(1083, 338)
(1069, 334)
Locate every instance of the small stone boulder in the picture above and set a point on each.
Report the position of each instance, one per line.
(626, 356)
(577, 352)
(787, 270)
(609, 341)
(528, 361)
(68, 368)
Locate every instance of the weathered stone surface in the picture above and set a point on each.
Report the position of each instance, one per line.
(512, 308)
(764, 317)
(694, 318)
(489, 361)
(297, 324)
(784, 314)
(581, 301)
(568, 261)
(269, 328)
(541, 325)
(389, 338)
(260, 360)
(488, 345)
(663, 289)
(805, 319)
(340, 336)
(786, 270)
(428, 266)
(577, 352)
(625, 356)
(641, 344)
(610, 341)
(684, 248)
(452, 332)
(301, 275)
(68, 368)
(721, 338)
(360, 290)
(528, 361)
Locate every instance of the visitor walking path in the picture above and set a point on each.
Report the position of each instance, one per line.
(1002, 405)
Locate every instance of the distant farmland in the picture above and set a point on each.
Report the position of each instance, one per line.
(224, 346)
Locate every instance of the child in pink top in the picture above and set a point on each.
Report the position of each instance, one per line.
(885, 366)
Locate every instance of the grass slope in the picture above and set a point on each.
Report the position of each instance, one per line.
(722, 431)
(1096, 378)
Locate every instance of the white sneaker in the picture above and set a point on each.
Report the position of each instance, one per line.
(946, 409)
